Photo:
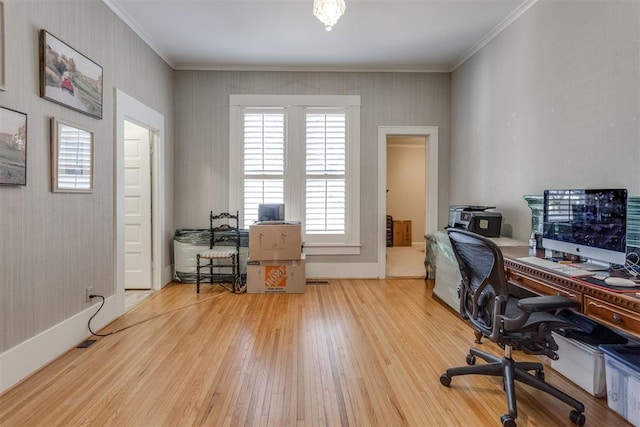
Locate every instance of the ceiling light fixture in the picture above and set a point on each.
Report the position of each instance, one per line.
(328, 11)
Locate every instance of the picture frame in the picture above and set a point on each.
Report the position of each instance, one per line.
(69, 78)
(3, 65)
(72, 149)
(13, 147)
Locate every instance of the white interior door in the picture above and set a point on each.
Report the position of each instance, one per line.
(137, 207)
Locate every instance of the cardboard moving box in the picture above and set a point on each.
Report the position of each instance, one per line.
(276, 276)
(269, 242)
(402, 233)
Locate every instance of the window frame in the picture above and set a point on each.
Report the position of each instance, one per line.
(295, 107)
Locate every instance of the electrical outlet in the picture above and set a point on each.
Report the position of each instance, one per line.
(87, 292)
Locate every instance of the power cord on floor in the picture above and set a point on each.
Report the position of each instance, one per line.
(94, 315)
(142, 321)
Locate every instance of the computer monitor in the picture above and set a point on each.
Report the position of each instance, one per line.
(271, 212)
(591, 224)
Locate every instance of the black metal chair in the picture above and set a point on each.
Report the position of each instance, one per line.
(223, 254)
(514, 324)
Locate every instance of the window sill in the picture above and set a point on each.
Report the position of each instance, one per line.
(331, 249)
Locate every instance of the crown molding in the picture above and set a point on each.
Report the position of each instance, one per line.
(506, 22)
(316, 68)
(136, 29)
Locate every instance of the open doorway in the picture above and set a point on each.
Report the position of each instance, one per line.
(428, 134)
(136, 121)
(406, 205)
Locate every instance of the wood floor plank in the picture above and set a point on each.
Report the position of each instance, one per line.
(346, 353)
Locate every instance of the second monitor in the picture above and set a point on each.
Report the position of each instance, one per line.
(271, 212)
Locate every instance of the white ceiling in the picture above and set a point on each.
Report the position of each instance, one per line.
(373, 35)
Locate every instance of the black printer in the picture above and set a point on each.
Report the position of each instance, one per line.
(476, 219)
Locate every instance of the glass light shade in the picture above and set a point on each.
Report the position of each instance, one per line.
(328, 11)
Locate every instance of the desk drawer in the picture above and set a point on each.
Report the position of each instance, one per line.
(615, 316)
(542, 288)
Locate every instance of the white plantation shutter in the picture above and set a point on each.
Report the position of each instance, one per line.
(303, 151)
(325, 207)
(74, 158)
(263, 142)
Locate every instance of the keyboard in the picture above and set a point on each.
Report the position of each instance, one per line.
(563, 269)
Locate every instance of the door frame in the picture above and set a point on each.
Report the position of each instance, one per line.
(431, 197)
(132, 110)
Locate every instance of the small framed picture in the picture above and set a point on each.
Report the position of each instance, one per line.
(69, 78)
(71, 158)
(13, 147)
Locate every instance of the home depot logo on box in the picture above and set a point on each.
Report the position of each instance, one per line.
(275, 276)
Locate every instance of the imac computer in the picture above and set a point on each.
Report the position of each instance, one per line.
(590, 224)
(271, 212)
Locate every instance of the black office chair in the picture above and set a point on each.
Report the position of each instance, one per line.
(224, 249)
(524, 324)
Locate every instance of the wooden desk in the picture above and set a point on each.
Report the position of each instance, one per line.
(618, 310)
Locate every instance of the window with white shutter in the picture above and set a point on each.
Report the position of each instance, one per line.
(325, 173)
(263, 164)
(303, 151)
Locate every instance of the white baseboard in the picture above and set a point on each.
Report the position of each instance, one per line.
(341, 271)
(19, 362)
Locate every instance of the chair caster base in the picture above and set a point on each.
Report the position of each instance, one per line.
(445, 380)
(471, 359)
(507, 421)
(577, 418)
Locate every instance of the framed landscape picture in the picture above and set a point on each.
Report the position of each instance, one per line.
(13, 147)
(68, 77)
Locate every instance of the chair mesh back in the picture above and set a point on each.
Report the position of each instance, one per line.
(477, 261)
(481, 267)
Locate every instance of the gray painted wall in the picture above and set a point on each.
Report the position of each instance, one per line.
(552, 102)
(202, 129)
(54, 245)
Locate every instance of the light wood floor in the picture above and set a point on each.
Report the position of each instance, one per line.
(404, 262)
(347, 353)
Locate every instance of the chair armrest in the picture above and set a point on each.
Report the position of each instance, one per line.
(546, 303)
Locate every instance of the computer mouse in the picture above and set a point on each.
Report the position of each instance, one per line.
(620, 281)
